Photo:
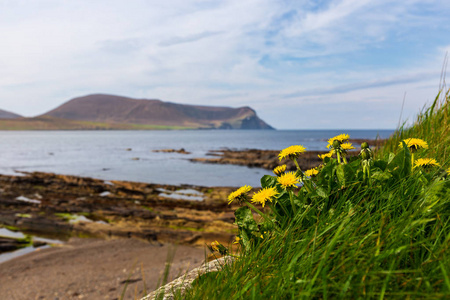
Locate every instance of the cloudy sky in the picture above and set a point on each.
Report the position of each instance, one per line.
(299, 64)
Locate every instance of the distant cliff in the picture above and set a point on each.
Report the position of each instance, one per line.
(122, 112)
(8, 115)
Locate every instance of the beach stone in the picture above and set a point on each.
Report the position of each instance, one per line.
(184, 282)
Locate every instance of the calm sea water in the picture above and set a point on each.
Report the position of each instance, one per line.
(104, 154)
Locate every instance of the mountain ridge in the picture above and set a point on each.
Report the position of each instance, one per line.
(124, 110)
(104, 111)
(4, 114)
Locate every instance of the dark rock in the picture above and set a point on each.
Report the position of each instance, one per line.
(130, 209)
(181, 151)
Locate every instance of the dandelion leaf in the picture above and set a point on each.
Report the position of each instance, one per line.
(246, 224)
(268, 181)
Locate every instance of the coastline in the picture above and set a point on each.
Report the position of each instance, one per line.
(268, 159)
(62, 206)
(119, 219)
(94, 269)
(122, 224)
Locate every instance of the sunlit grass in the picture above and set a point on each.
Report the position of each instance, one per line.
(369, 228)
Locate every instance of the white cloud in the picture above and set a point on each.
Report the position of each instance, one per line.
(212, 52)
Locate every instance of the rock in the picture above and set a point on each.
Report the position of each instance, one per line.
(11, 244)
(184, 282)
(117, 209)
(266, 159)
(180, 151)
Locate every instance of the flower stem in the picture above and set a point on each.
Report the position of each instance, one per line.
(291, 198)
(306, 185)
(296, 164)
(259, 212)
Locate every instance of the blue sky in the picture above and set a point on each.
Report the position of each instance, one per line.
(299, 64)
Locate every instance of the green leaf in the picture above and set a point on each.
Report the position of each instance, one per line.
(382, 164)
(391, 157)
(345, 174)
(340, 173)
(400, 165)
(381, 176)
(321, 192)
(246, 224)
(268, 181)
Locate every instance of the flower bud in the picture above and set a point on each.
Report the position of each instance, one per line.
(336, 144)
(364, 145)
(365, 154)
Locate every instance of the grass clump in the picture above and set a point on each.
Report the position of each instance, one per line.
(375, 226)
(432, 125)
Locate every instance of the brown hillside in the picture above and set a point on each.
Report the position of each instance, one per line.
(102, 108)
(8, 115)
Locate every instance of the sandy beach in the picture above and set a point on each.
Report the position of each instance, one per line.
(93, 269)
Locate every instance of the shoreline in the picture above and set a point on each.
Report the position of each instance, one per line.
(268, 159)
(117, 218)
(94, 269)
(107, 227)
(62, 206)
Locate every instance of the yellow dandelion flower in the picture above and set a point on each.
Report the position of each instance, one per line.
(291, 152)
(288, 180)
(415, 144)
(279, 170)
(347, 146)
(239, 193)
(237, 239)
(426, 162)
(311, 172)
(448, 171)
(342, 138)
(214, 246)
(264, 195)
(329, 154)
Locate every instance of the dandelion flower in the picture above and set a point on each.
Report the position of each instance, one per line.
(292, 152)
(414, 144)
(342, 138)
(448, 171)
(239, 194)
(311, 172)
(426, 162)
(347, 146)
(323, 156)
(237, 239)
(264, 195)
(288, 180)
(214, 246)
(279, 170)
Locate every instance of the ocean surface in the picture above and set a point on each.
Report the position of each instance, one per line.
(107, 155)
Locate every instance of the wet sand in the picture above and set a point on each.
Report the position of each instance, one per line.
(93, 269)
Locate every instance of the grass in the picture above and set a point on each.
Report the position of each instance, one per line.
(384, 236)
(432, 125)
(50, 123)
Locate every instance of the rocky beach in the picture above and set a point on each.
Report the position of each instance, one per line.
(268, 159)
(106, 230)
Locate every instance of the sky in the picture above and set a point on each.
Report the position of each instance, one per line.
(300, 64)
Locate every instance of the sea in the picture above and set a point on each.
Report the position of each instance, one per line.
(128, 155)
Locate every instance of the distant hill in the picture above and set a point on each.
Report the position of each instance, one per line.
(8, 115)
(119, 111)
